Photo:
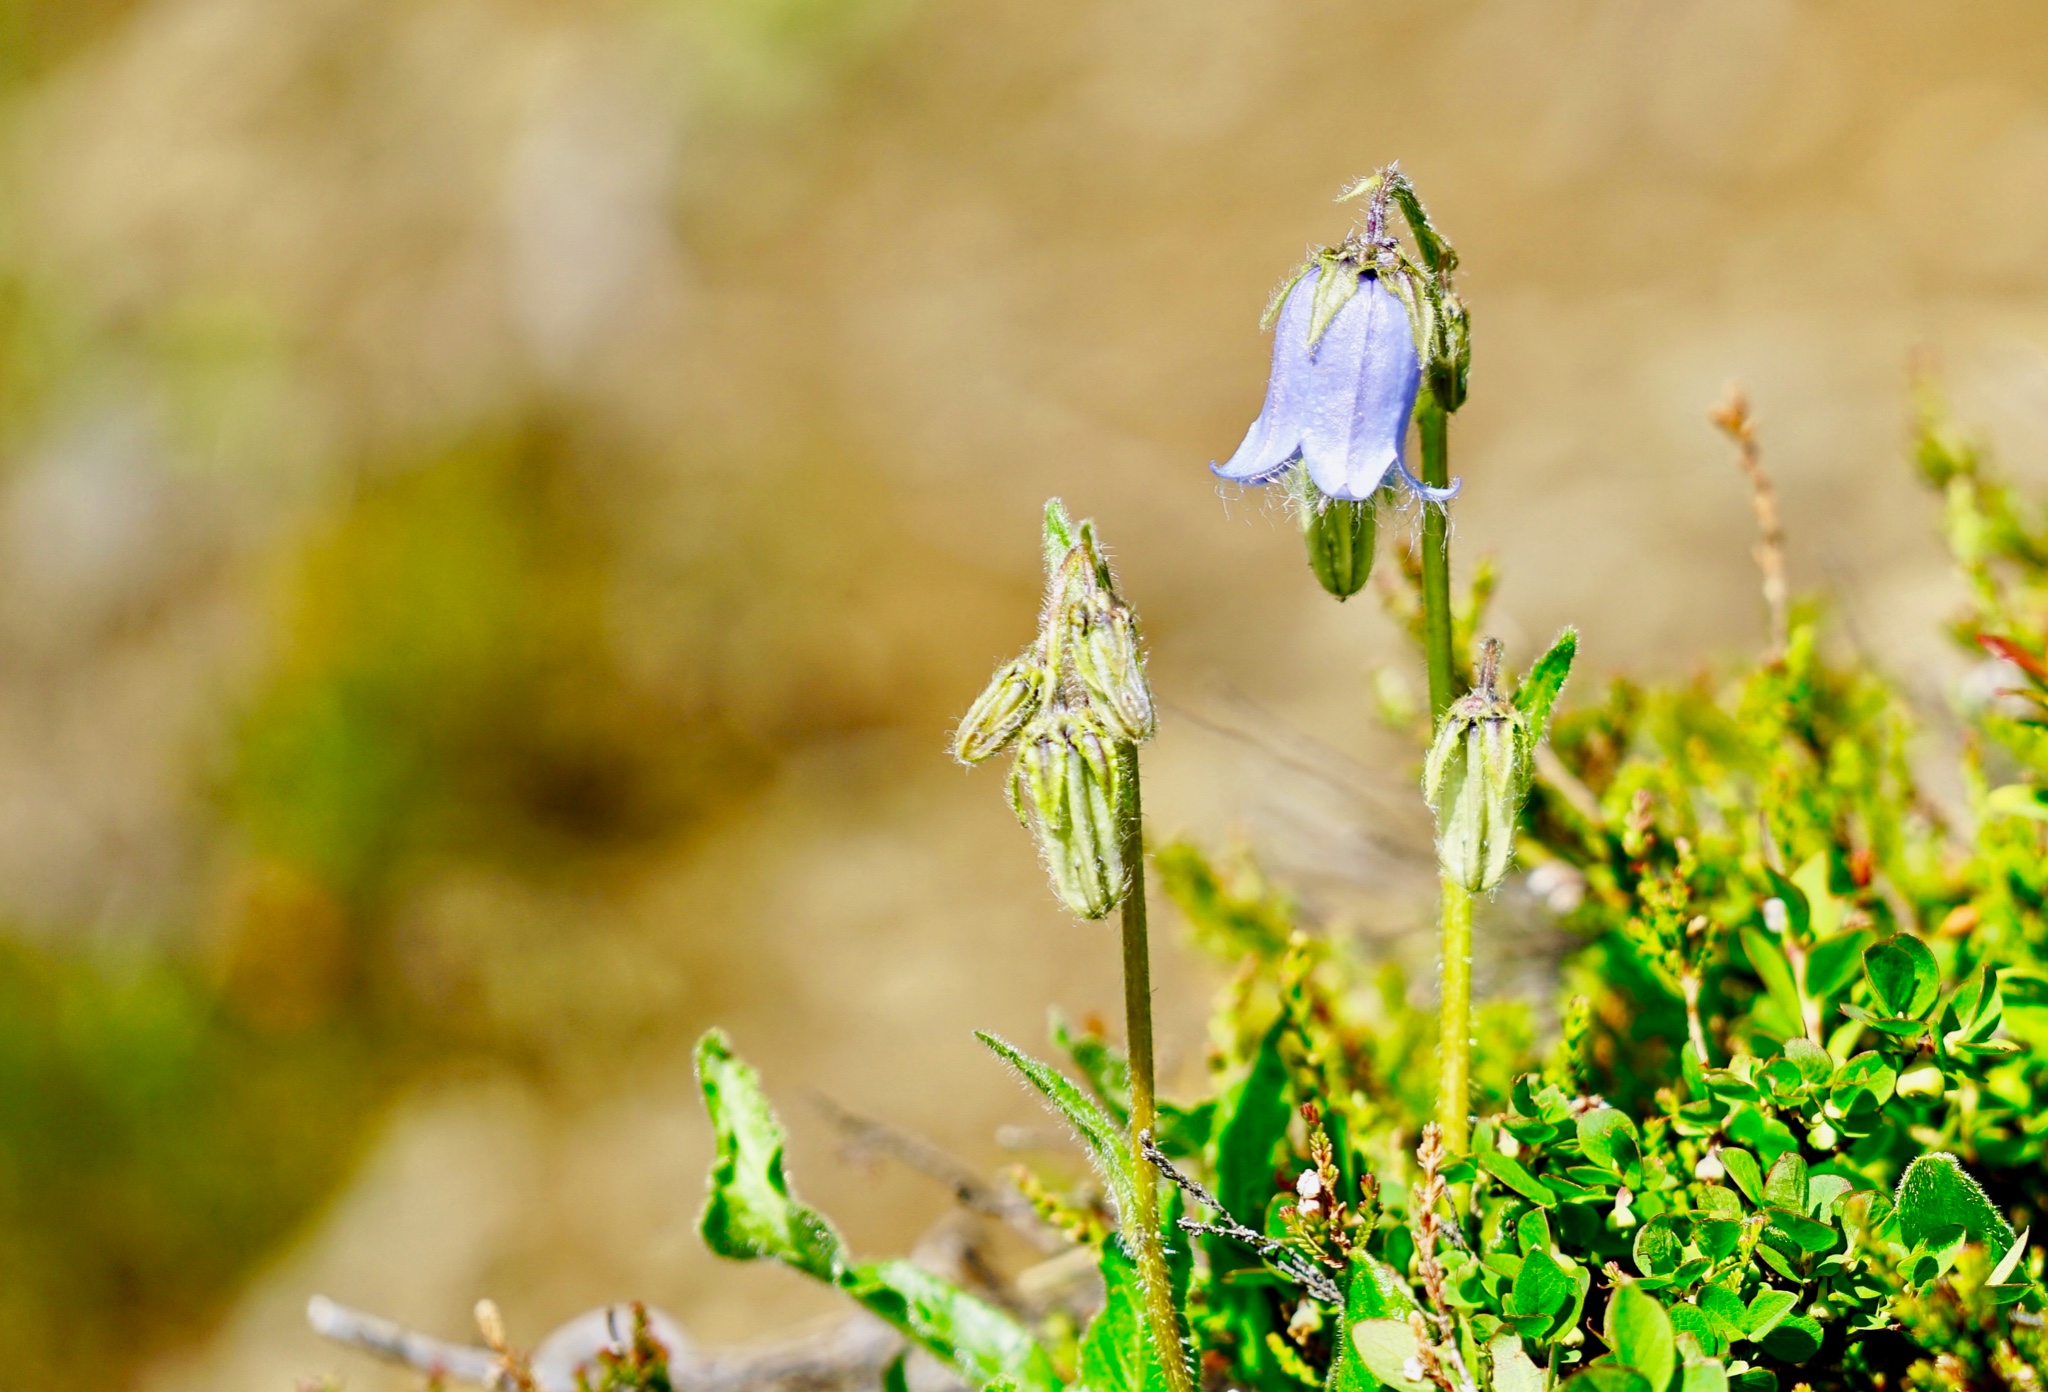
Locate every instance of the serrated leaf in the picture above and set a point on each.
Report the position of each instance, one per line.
(1091, 1124)
(1936, 1192)
(749, 1212)
(1540, 688)
(1903, 976)
(1388, 1349)
(1641, 1335)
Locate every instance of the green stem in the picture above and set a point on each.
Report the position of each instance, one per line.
(1436, 559)
(1144, 1223)
(1454, 1025)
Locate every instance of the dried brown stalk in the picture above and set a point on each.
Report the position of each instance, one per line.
(1733, 419)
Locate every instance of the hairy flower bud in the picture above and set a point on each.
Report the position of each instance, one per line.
(1102, 641)
(1003, 709)
(1340, 536)
(1474, 779)
(1067, 788)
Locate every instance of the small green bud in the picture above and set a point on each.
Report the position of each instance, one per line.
(1067, 788)
(1474, 779)
(1102, 641)
(1003, 709)
(1340, 536)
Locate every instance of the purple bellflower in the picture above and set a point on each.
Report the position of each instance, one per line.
(1339, 400)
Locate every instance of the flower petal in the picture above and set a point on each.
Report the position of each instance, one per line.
(1274, 440)
(1366, 379)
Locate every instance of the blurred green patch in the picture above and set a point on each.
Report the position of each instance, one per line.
(152, 1146)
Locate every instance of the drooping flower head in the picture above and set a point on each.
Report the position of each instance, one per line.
(1358, 332)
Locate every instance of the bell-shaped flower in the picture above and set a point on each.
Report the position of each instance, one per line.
(1339, 400)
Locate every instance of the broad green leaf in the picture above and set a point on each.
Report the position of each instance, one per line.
(1610, 1377)
(1539, 690)
(1833, 963)
(1641, 1335)
(749, 1211)
(1936, 1192)
(1609, 1139)
(1371, 1292)
(1903, 975)
(1697, 1326)
(1814, 1063)
(981, 1342)
(1704, 1375)
(1387, 1347)
(1785, 1185)
(1541, 1288)
(2018, 800)
(1742, 1168)
(1766, 1308)
(1823, 910)
(1658, 1249)
(1513, 1369)
(1803, 1233)
(1796, 1339)
(1098, 1132)
(1724, 1309)
(1511, 1173)
(1251, 1126)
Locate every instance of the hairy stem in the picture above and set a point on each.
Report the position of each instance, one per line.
(1454, 1020)
(1143, 1227)
(1436, 559)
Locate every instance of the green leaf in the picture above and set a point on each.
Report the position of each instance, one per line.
(1104, 1066)
(1796, 1339)
(1766, 1308)
(1658, 1248)
(1542, 1287)
(1540, 689)
(2018, 800)
(749, 1212)
(1785, 1185)
(1253, 1123)
(1609, 1139)
(1936, 1192)
(1903, 976)
(1771, 967)
(1610, 1377)
(1513, 1369)
(1118, 1353)
(1641, 1336)
(1704, 1375)
(1098, 1132)
(1832, 964)
(1387, 1347)
(1741, 1167)
(1371, 1292)
(1511, 1173)
(981, 1342)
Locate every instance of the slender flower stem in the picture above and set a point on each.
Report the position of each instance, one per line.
(1436, 559)
(1144, 1223)
(1454, 1023)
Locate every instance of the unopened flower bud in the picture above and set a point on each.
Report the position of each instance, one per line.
(1002, 710)
(1624, 1213)
(1340, 536)
(1102, 641)
(1067, 789)
(1710, 1169)
(1474, 779)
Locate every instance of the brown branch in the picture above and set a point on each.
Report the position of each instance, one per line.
(1733, 419)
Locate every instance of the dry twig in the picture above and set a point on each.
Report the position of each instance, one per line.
(1733, 419)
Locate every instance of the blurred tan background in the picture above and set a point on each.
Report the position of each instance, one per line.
(500, 502)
